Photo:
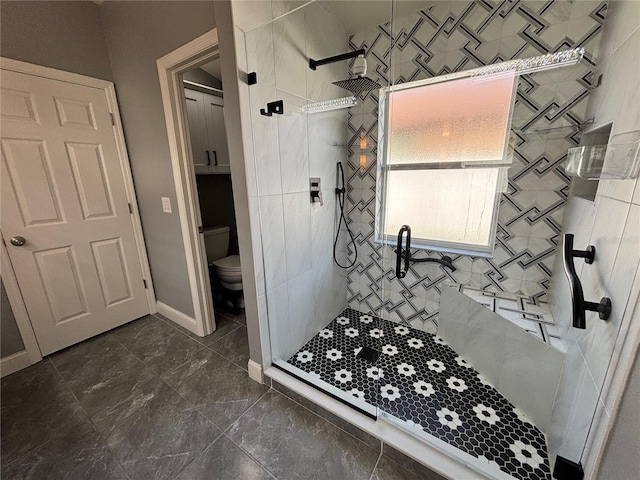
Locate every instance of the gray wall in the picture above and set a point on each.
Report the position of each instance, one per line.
(63, 35)
(137, 34)
(10, 339)
(612, 224)
(620, 460)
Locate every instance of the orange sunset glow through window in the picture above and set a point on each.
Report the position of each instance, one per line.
(447, 143)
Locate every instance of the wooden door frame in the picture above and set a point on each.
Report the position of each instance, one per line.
(13, 291)
(170, 69)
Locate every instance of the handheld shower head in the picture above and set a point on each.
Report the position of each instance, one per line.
(341, 192)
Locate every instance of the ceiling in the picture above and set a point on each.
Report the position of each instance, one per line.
(358, 15)
(213, 68)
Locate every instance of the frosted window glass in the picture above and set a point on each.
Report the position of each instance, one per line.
(464, 120)
(454, 206)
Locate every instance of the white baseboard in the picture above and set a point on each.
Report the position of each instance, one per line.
(255, 371)
(13, 363)
(178, 317)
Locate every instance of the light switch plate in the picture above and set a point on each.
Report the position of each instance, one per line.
(166, 204)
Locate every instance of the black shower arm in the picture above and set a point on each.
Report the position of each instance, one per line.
(337, 58)
(445, 261)
(580, 306)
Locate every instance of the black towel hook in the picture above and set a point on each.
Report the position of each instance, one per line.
(276, 107)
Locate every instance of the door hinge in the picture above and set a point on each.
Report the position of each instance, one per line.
(113, 120)
(144, 282)
(130, 208)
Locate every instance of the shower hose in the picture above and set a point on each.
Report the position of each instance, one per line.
(341, 191)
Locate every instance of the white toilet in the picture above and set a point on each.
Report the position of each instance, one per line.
(226, 267)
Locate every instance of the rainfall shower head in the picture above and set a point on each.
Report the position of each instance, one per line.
(360, 83)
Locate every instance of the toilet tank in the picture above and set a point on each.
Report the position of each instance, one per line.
(216, 242)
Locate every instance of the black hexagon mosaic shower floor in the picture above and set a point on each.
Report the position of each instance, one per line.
(419, 379)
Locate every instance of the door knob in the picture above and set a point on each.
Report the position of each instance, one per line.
(18, 241)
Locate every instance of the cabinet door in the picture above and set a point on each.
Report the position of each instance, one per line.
(217, 134)
(198, 131)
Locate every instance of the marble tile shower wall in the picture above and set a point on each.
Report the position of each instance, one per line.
(303, 288)
(612, 224)
(446, 37)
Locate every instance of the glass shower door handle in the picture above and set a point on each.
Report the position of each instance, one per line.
(400, 272)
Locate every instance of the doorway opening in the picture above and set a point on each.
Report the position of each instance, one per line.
(193, 100)
(204, 101)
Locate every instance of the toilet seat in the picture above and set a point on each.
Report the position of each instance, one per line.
(232, 262)
(229, 272)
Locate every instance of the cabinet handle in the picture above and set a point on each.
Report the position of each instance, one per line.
(208, 158)
(215, 158)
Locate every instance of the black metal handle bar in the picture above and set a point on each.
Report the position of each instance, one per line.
(580, 306)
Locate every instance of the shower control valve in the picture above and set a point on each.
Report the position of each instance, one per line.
(315, 191)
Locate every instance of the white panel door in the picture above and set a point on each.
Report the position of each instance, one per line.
(63, 191)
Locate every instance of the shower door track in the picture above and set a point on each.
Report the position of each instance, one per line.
(442, 457)
(326, 392)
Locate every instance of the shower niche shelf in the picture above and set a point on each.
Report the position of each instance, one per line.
(619, 159)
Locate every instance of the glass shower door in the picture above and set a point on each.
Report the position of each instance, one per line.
(414, 344)
(309, 161)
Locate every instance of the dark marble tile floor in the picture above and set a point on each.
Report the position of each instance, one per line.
(151, 400)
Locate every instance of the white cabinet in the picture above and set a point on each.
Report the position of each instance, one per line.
(208, 133)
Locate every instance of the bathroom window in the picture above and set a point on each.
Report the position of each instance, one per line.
(444, 154)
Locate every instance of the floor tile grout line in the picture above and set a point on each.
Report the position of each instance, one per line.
(175, 327)
(213, 342)
(93, 427)
(251, 456)
(198, 408)
(208, 344)
(245, 412)
(375, 467)
(222, 431)
(199, 339)
(291, 399)
(180, 365)
(46, 359)
(326, 420)
(199, 455)
(227, 315)
(228, 429)
(156, 375)
(166, 383)
(227, 359)
(188, 402)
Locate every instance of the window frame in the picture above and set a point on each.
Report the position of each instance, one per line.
(457, 248)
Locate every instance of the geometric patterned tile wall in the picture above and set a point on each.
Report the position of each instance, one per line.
(446, 37)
